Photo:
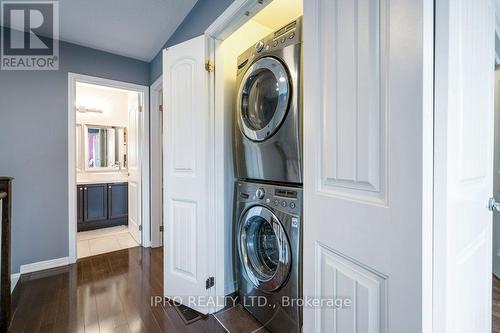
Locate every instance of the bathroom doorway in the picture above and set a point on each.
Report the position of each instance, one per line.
(108, 166)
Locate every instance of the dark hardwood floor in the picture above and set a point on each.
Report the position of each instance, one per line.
(496, 305)
(106, 293)
(112, 293)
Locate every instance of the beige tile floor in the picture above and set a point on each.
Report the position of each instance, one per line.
(93, 242)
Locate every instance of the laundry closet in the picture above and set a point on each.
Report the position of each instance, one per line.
(262, 105)
(235, 159)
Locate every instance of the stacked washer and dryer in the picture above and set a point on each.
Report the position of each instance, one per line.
(268, 192)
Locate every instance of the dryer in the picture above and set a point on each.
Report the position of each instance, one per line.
(268, 119)
(267, 250)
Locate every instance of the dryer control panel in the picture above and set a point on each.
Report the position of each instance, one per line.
(290, 34)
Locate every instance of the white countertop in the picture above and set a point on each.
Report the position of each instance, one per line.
(101, 178)
(90, 181)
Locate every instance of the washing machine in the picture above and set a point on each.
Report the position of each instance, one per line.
(268, 117)
(267, 250)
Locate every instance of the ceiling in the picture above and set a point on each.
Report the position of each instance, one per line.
(132, 28)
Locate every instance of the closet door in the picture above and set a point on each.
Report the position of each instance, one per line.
(464, 169)
(187, 149)
(364, 116)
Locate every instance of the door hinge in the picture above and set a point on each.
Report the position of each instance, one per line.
(161, 228)
(210, 282)
(160, 108)
(209, 66)
(140, 228)
(493, 205)
(141, 108)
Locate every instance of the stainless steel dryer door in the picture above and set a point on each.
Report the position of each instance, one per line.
(264, 249)
(263, 99)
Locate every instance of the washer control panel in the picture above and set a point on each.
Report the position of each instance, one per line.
(283, 198)
(286, 198)
(260, 193)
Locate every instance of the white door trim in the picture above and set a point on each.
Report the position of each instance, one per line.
(237, 14)
(427, 165)
(156, 163)
(73, 78)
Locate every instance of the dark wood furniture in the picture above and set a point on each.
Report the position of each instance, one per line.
(102, 205)
(6, 200)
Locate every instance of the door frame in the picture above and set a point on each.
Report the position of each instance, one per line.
(73, 79)
(156, 152)
(237, 14)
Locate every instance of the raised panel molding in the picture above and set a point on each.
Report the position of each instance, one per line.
(184, 243)
(183, 145)
(354, 93)
(338, 276)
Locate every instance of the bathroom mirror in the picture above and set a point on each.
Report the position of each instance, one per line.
(105, 147)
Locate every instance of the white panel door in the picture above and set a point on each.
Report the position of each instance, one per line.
(363, 162)
(465, 58)
(134, 168)
(186, 154)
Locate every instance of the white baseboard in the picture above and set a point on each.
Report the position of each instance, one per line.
(37, 266)
(13, 281)
(41, 265)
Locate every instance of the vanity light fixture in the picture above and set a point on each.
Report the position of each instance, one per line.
(84, 109)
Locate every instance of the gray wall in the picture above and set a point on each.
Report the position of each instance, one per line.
(196, 22)
(33, 134)
(33, 146)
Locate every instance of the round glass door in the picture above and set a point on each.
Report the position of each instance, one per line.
(264, 249)
(263, 99)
